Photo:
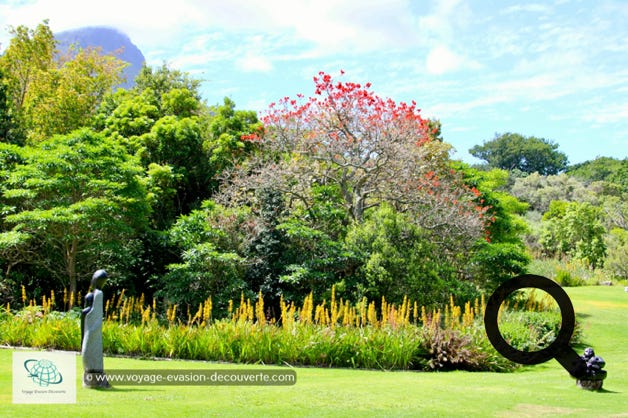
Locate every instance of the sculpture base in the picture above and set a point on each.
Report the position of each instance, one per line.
(95, 380)
(590, 384)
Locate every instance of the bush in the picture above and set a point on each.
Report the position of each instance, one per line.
(338, 336)
(529, 331)
(566, 279)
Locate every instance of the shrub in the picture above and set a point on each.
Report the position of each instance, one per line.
(566, 279)
(337, 334)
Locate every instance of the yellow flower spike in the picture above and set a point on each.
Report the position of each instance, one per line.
(23, 295)
(333, 307)
(415, 312)
(384, 311)
(372, 315)
(120, 299)
(259, 309)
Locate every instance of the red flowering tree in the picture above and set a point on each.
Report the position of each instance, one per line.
(373, 149)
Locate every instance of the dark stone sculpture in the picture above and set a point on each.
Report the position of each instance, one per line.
(593, 376)
(91, 334)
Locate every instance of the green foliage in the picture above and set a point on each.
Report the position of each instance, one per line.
(65, 98)
(314, 252)
(497, 262)
(616, 262)
(574, 230)
(512, 151)
(7, 124)
(502, 254)
(183, 144)
(566, 279)
(164, 80)
(212, 242)
(50, 93)
(539, 191)
(204, 272)
(127, 116)
(79, 197)
(30, 52)
(397, 258)
(222, 140)
(578, 271)
(383, 348)
(530, 331)
(608, 169)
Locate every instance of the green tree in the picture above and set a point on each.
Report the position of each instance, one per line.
(80, 197)
(178, 138)
(539, 190)
(212, 241)
(575, 230)
(6, 118)
(512, 151)
(29, 55)
(30, 52)
(616, 263)
(50, 93)
(162, 80)
(608, 169)
(502, 254)
(66, 97)
(12, 250)
(222, 140)
(397, 259)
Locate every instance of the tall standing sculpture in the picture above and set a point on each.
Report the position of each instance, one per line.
(91, 334)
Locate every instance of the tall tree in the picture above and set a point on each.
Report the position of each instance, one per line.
(30, 52)
(6, 120)
(373, 149)
(575, 230)
(66, 97)
(512, 151)
(79, 197)
(51, 93)
(602, 169)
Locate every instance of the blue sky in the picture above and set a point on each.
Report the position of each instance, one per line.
(556, 69)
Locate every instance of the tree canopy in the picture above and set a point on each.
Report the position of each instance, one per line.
(53, 93)
(77, 198)
(527, 154)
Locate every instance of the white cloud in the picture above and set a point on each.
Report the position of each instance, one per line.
(441, 60)
(608, 113)
(254, 63)
(531, 7)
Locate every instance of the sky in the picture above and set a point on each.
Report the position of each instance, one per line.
(553, 69)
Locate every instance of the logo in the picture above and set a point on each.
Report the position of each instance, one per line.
(43, 372)
(44, 376)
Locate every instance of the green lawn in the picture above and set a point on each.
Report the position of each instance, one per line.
(542, 390)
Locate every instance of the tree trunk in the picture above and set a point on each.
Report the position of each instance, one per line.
(70, 259)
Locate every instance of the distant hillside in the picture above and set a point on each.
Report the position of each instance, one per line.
(110, 40)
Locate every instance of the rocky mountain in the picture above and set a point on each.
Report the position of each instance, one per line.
(110, 40)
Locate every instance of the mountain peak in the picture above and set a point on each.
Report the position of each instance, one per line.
(110, 40)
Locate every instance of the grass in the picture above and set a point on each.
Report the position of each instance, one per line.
(541, 390)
